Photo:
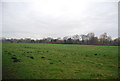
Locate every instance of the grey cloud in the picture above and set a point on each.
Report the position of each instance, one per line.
(22, 20)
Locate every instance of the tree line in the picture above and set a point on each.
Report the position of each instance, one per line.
(88, 39)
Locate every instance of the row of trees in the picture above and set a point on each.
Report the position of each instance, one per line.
(89, 39)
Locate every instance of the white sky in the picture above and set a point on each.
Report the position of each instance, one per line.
(58, 18)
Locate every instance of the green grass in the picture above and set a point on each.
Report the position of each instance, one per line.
(61, 61)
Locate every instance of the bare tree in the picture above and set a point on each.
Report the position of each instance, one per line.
(84, 39)
(91, 38)
(76, 39)
(116, 41)
(103, 38)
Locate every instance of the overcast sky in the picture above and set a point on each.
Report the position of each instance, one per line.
(58, 18)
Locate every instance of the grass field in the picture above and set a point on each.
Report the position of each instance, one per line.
(59, 61)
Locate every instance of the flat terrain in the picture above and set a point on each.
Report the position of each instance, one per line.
(59, 61)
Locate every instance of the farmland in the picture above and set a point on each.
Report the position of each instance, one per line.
(59, 61)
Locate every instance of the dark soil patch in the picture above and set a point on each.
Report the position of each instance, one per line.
(38, 51)
(31, 57)
(51, 63)
(9, 53)
(104, 55)
(27, 52)
(95, 54)
(27, 47)
(59, 60)
(42, 57)
(15, 59)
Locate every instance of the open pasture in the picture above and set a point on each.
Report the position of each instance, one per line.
(59, 61)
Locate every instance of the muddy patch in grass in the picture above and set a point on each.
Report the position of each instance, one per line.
(31, 57)
(9, 53)
(42, 57)
(59, 61)
(95, 54)
(27, 52)
(51, 63)
(15, 59)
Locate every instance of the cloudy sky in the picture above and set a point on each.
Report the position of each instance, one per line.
(58, 18)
